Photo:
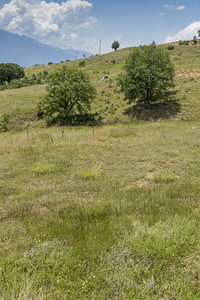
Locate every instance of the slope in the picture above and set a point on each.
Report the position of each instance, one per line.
(183, 104)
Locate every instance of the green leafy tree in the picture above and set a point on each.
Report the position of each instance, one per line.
(199, 33)
(115, 45)
(153, 44)
(70, 93)
(149, 73)
(10, 71)
(194, 40)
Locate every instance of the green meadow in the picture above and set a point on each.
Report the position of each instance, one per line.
(105, 212)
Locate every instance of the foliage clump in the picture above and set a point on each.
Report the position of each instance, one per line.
(69, 98)
(170, 47)
(10, 71)
(194, 40)
(149, 73)
(82, 63)
(35, 79)
(4, 123)
(115, 45)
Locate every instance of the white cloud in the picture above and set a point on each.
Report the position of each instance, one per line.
(185, 34)
(171, 6)
(73, 36)
(161, 14)
(168, 6)
(48, 22)
(181, 7)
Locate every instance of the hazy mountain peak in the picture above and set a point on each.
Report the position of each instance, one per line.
(27, 51)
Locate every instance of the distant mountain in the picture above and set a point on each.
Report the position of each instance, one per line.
(27, 51)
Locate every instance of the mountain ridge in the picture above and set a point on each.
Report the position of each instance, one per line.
(27, 51)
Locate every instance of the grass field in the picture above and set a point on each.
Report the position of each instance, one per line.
(106, 212)
(183, 104)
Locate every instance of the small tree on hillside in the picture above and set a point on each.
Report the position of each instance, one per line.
(115, 45)
(149, 73)
(194, 40)
(10, 71)
(199, 33)
(70, 93)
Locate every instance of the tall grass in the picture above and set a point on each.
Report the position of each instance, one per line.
(104, 213)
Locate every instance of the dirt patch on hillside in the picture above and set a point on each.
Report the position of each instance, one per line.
(141, 183)
(188, 73)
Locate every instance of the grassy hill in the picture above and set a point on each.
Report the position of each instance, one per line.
(183, 105)
(106, 212)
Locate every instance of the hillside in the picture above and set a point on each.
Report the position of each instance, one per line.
(27, 51)
(183, 104)
(105, 212)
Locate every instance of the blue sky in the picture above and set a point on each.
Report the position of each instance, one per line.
(82, 24)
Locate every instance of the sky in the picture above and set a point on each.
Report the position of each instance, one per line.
(81, 25)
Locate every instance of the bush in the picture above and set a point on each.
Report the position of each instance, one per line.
(82, 63)
(15, 84)
(170, 47)
(4, 123)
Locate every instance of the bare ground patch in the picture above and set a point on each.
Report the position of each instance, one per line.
(142, 182)
(188, 73)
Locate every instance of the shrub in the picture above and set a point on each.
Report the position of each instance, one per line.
(82, 63)
(170, 47)
(4, 123)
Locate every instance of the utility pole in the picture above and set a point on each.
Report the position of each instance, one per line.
(100, 48)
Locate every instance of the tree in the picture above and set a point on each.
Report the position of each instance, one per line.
(149, 73)
(10, 71)
(70, 93)
(153, 44)
(199, 33)
(115, 45)
(194, 40)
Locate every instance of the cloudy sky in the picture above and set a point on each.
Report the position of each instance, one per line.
(82, 24)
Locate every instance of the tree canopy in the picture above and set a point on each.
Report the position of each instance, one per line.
(149, 73)
(115, 45)
(10, 71)
(70, 93)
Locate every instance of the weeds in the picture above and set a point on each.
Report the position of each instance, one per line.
(105, 214)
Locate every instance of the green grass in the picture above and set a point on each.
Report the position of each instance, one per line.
(109, 212)
(183, 104)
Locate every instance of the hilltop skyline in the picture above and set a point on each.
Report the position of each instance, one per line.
(82, 24)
